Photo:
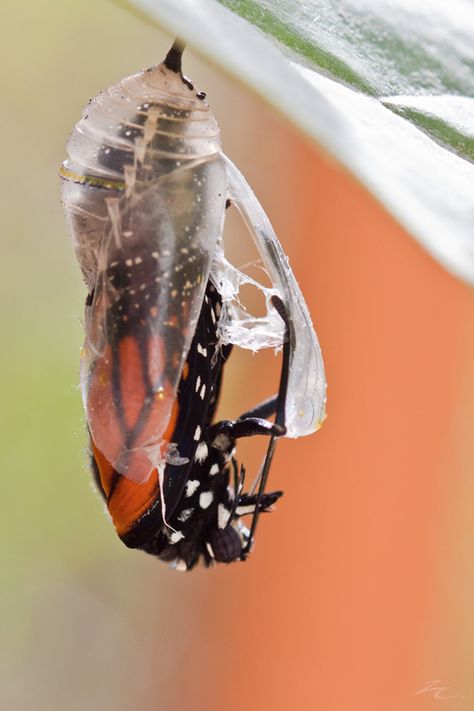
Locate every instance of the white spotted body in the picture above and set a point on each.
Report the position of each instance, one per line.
(210, 527)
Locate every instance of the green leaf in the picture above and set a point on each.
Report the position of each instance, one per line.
(387, 88)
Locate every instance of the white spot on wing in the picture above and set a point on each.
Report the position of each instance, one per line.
(197, 433)
(205, 499)
(203, 392)
(201, 452)
(201, 350)
(198, 382)
(214, 470)
(176, 536)
(222, 516)
(191, 486)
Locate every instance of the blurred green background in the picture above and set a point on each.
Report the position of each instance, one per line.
(59, 553)
(86, 624)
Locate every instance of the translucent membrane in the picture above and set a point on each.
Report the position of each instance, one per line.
(306, 398)
(144, 193)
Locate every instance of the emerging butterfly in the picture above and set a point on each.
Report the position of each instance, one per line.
(145, 190)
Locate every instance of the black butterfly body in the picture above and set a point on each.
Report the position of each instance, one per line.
(196, 513)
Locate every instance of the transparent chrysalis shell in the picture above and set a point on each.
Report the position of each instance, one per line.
(144, 193)
(306, 392)
(144, 190)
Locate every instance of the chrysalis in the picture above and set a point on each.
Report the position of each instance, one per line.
(144, 191)
(145, 188)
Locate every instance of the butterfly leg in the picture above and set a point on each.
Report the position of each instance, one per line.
(247, 427)
(279, 422)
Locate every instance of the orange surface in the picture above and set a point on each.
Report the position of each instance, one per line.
(343, 604)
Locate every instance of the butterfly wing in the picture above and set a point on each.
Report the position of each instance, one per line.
(140, 509)
(306, 392)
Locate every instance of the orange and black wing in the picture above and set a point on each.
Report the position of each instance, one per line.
(138, 509)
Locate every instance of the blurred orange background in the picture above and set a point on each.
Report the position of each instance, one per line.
(359, 593)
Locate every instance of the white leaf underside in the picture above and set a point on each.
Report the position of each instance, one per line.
(427, 187)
